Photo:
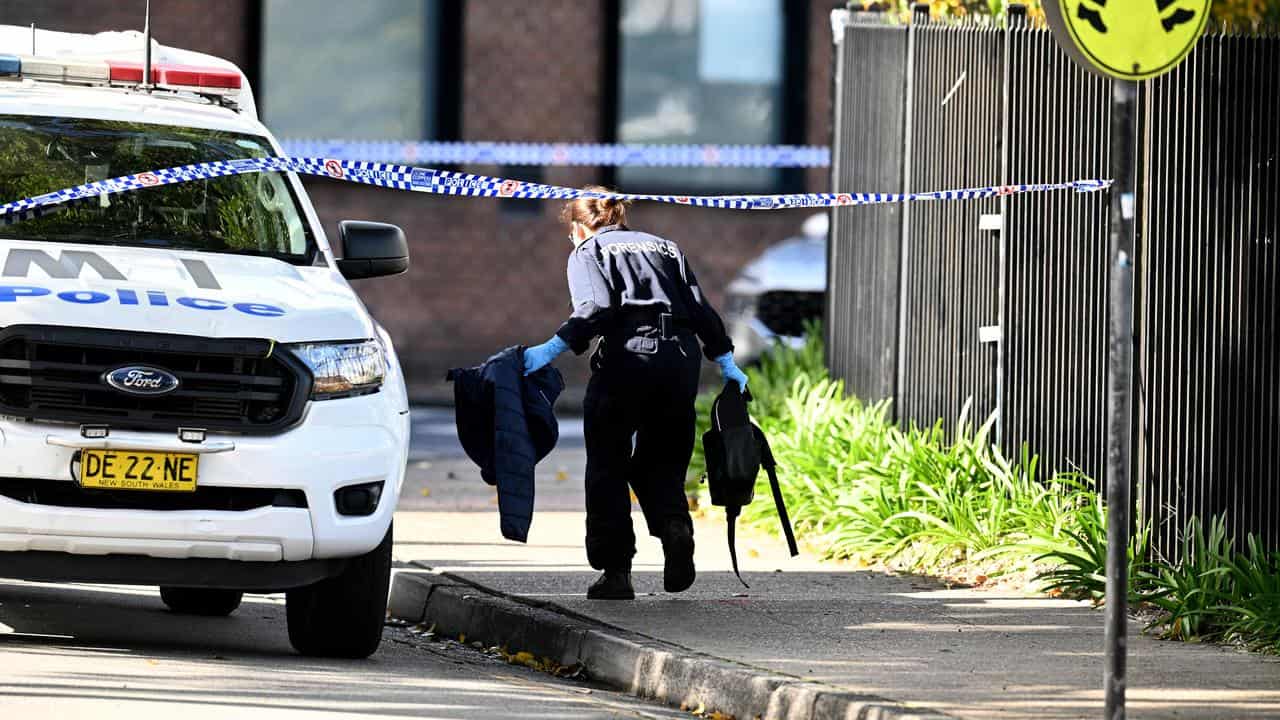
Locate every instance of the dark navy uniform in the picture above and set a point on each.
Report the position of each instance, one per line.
(637, 293)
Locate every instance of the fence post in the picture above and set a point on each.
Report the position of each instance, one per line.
(1119, 393)
(840, 37)
(919, 13)
(1015, 15)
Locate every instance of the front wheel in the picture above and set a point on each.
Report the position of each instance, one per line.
(201, 601)
(342, 616)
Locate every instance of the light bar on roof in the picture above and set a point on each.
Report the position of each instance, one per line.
(64, 71)
(192, 78)
(164, 74)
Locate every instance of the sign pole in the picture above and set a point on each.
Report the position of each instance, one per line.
(1120, 392)
(1128, 42)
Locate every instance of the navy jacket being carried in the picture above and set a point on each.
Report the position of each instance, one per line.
(619, 268)
(506, 425)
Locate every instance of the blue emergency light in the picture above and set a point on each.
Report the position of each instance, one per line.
(10, 65)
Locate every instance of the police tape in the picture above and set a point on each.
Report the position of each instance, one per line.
(445, 182)
(563, 154)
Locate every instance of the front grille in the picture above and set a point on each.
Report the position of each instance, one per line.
(226, 385)
(785, 312)
(63, 493)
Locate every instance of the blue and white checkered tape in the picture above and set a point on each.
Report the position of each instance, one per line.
(445, 182)
(565, 154)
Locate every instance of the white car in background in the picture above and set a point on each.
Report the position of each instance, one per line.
(778, 293)
(191, 394)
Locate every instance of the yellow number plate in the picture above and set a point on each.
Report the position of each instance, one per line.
(130, 470)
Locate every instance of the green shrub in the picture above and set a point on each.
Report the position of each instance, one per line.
(1190, 592)
(1252, 617)
(1069, 534)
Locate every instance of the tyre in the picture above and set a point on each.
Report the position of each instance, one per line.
(342, 616)
(201, 601)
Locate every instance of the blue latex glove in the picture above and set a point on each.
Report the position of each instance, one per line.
(730, 371)
(539, 356)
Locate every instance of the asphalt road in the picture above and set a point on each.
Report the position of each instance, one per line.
(95, 651)
(99, 651)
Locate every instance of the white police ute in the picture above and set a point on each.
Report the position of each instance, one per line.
(191, 394)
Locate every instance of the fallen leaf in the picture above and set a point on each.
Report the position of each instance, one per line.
(752, 552)
(980, 579)
(561, 475)
(426, 492)
(700, 710)
(462, 638)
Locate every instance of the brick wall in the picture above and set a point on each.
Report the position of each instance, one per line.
(484, 276)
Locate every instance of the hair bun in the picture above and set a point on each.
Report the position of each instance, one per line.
(596, 212)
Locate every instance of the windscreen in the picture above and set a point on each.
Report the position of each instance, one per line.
(253, 214)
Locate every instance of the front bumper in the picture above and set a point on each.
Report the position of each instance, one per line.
(264, 577)
(338, 443)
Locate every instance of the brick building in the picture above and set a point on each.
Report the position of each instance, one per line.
(489, 273)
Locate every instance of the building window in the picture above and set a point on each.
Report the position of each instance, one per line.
(704, 72)
(336, 69)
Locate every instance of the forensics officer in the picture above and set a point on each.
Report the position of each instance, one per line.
(637, 293)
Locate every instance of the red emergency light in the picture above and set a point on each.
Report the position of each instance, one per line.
(175, 75)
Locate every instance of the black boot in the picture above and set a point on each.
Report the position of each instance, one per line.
(677, 545)
(612, 585)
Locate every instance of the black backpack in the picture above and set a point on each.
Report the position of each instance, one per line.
(735, 449)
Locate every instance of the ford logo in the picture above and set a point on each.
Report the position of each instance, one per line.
(142, 380)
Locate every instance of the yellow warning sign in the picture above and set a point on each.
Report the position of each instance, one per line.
(1129, 39)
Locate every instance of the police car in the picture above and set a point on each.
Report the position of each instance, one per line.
(780, 293)
(191, 394)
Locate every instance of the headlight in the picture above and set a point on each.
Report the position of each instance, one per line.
(343, 369)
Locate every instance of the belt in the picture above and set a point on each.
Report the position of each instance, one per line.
(669, 326)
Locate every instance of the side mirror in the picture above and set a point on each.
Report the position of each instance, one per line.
(371, 249)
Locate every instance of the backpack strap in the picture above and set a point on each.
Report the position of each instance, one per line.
(782, 511)
(770, 466)
(731, 518)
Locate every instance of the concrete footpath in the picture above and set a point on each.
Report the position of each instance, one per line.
(808, 639)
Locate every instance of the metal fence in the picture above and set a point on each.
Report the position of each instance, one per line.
(1001, 305)
(1209, 406)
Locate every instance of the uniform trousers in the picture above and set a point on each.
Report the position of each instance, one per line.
(639, 428)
